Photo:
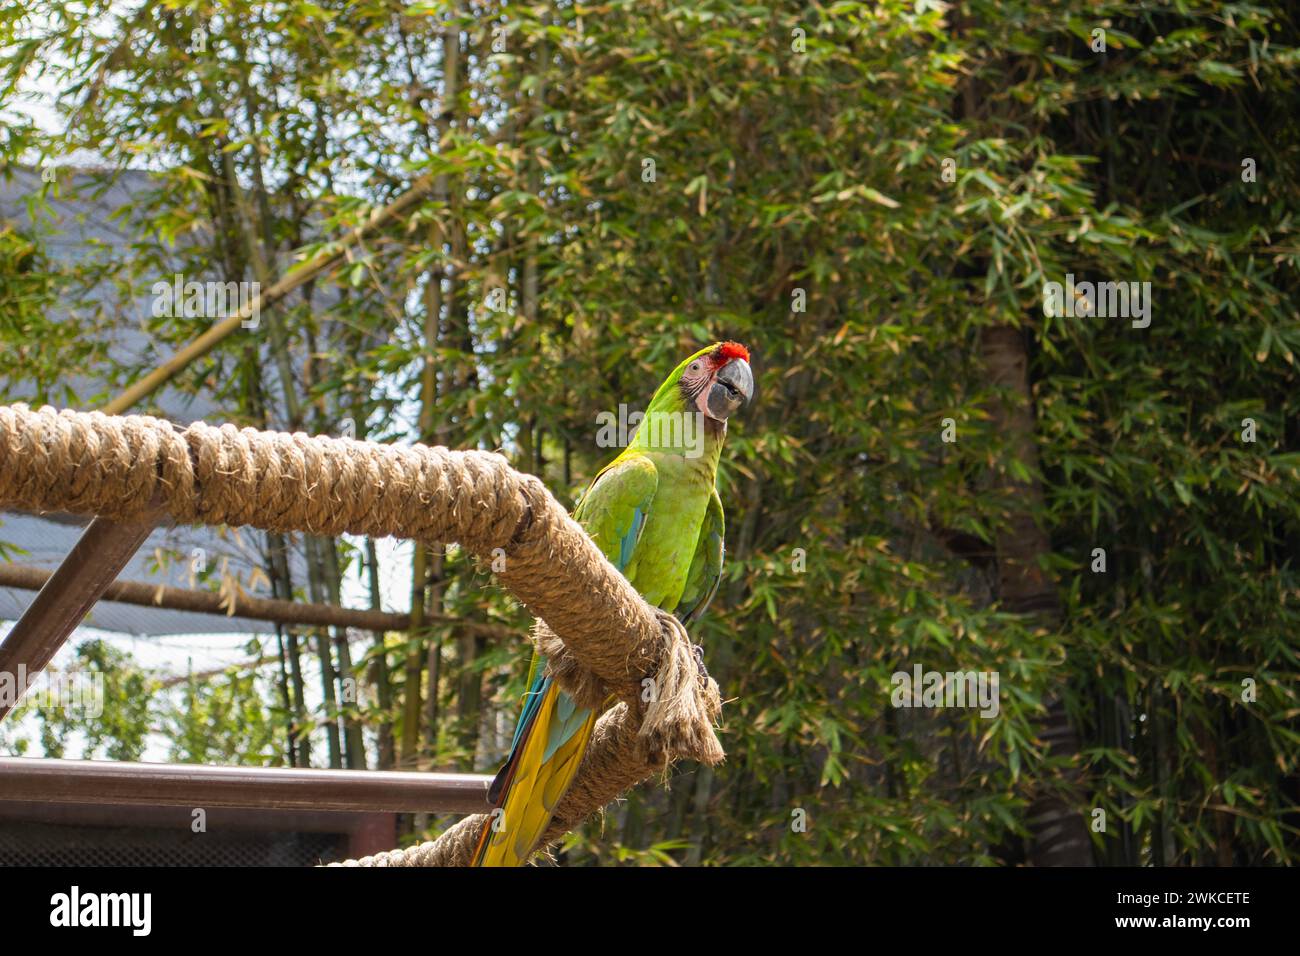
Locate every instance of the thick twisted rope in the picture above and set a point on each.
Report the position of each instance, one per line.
(609, 640)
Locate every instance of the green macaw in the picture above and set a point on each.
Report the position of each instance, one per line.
(655, 513)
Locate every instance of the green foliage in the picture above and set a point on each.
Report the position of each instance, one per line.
(799, 203)
(226, 719)
(117, 707)
(37, 348)
(120, 729)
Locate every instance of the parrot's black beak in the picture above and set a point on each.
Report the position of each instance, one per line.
(732, 387)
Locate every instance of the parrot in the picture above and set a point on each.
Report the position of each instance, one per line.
(655, 513)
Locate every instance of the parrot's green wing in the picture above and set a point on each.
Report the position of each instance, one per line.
(706, 568)
(615, 507)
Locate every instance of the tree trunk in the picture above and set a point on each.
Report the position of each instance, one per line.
(1059, 834)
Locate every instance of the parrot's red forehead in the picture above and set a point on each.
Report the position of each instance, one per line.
(728, 351)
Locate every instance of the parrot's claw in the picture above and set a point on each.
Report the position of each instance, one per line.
(699, 660)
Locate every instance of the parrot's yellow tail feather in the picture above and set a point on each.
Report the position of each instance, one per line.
(534, 789)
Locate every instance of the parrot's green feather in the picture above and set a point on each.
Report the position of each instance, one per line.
(706, 567)
(616, 507)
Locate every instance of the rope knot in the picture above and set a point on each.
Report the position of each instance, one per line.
(681, 701)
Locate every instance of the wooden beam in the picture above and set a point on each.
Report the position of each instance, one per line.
(264, 788)
(68, 595)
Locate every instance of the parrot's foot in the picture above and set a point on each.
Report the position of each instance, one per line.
(699, 661)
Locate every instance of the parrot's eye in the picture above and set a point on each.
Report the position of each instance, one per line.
(695, 366)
